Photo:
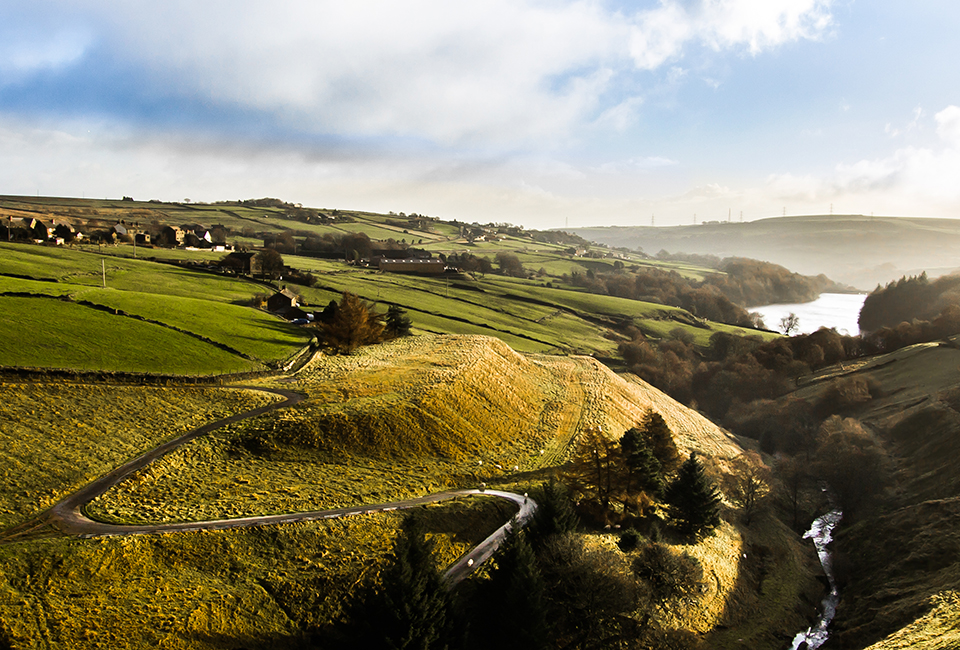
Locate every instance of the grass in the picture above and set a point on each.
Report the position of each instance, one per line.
(55, 334)
(56, 437)
(192, 314)
(400, 419)
(253, 588)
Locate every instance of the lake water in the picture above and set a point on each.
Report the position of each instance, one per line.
(837, 310)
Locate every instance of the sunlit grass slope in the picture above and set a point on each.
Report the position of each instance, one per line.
(151, 318)
(402, 419)
(57, 437)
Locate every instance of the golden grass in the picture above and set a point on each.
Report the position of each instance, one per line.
(256, 588)
(56, 437)
(410, 417)
(939, 629)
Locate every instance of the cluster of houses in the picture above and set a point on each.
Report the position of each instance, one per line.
(60, 231)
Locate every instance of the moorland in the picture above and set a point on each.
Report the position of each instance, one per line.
(529, 361)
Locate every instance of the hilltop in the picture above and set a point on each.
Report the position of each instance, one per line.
(853, 249)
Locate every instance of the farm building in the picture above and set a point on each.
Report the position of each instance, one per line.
(416, 266)
(239, 262)
(170, 236)
(282, 301)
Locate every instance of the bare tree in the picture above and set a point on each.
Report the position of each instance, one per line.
(789, 324)
(749, 484)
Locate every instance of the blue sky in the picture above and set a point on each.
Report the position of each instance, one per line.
(533, 112)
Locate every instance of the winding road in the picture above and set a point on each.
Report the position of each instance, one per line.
(66, 517)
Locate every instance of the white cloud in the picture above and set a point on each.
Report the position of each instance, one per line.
(948, 125)
(661, 34)
(500, 73)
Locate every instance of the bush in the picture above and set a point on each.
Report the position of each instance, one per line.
(629, 540)
(667, 573)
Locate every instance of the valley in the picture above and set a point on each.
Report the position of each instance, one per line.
(507, 379)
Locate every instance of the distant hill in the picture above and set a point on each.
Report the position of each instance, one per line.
(853, 249)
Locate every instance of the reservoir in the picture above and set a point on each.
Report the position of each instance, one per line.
(836, 310)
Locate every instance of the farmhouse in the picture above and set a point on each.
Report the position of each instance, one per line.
(415, 266)
(282, 301)
(239, 262)
(170, 236)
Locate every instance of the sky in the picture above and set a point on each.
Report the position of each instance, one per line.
(538, 113)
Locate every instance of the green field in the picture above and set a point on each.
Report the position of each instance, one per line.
(153, 318)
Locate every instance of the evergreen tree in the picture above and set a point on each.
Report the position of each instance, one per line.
(693, 500)
(517, 588)
(555, 514)
(644, 471)
(398, 324)
(659, 439)
(412, 610)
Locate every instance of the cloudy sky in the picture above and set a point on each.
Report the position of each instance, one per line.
(536, 112)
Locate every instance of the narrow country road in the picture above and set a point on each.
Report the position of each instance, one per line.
(66, 516)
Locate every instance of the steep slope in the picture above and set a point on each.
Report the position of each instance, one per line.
(899, 565)
(461, 395)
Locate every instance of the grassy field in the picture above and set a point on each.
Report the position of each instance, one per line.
(86, 430)
(400, 419)
(184, 322)
(257, 589)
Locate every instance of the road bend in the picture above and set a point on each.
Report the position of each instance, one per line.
(66, 517)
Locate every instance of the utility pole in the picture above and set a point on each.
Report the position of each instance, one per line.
(729, 214)
(652, 221)
(103, 272)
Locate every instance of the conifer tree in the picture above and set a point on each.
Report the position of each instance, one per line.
(517, 589)
(555, 514)
(412, 610)
(693, 500)
(398, 323)
(643, 468)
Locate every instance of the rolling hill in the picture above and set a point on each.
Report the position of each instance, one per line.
(853, 249)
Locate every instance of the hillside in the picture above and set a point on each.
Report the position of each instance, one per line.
(172, 309)
(399, 419)
(852, 249)
(898, 563)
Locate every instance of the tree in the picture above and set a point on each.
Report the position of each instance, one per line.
(270, 263)
(590, 592)
(410, 609)
(668, 574)
(749, 484)
(510, 265)
(595, 468)
(352, 324)
(693, 501)
(517, 586)
(789, 323)
(554, 515)
(397, 324)
(643, 469)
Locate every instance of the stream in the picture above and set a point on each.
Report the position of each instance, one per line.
(821, 531)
